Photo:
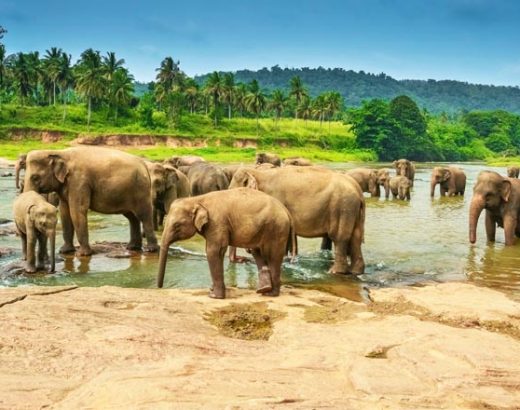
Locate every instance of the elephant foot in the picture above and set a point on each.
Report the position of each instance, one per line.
(152, 248)
(134, 247)
(338, 270)
(273, 292)
(217, 293)
(264, 281)
(67, 249)
(84, 251)
(30, 268)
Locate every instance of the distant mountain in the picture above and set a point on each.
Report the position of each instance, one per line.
(140, 88)
(436, 96)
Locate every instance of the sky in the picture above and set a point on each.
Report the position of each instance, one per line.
(477, 41)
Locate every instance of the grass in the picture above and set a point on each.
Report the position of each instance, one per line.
(503, 161)
(287, 137)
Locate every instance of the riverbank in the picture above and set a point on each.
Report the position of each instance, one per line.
(447, 345)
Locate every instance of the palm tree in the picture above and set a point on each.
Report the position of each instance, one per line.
(305, 108)
(2, 64)
(121, 88)
(333, 103)
(215, 88)
(22, 76)
(51, 65)
(192, 94)
(255, 101)
(90, 81)
(319, 108)
(228, 90)
(298, 92)
(167, 73)
(277, 103)
(111, 63)
(239, 98)
(65, 79)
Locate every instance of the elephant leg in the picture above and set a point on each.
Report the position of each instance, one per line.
(510, 223)
(443, 191)
(155, 218)
(264, 274)
(490, 227)
(78, 214)
(31, 247)
(24, 245)
(326, 243)
(215, 256)
(275, 266)
(67, 228)
(136, 242)
(145, 217)
(357, 263)
(340, 257)
(42, 251)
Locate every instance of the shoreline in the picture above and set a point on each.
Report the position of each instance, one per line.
(450, 345)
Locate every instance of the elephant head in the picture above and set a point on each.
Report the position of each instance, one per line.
(439, 176)
(243, 179)
(20, 164)
(185, 218)
(163, 178)
(373, 185)
(45, 217)
(402, 167)
(490, 192)
(46, 171)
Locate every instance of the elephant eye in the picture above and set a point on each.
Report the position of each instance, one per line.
(245, 183)
(35, 177)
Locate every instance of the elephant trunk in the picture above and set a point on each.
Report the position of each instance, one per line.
(477, 205)
(52, 239)
(433, 183)
(163, 256)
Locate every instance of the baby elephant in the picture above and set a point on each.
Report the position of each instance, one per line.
(400, 187)
(513, 172)
(240, 217)
(35, 220)
(452, 181)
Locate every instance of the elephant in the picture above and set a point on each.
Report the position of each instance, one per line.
(383, 179)
(367, 180)
(500, 197)
(184, 160)
(35, 221)
(168, 184)
(205, 177)
(400, 187)
(100, 179)
(513, 171)
(297, 161)
(321, 202)
(452, 180)
(406, 168)
(19, 165)
(263, 157)
(242, 218)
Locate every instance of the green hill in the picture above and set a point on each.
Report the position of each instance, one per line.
(435, 96)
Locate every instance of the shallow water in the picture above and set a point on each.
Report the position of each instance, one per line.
(405, 243)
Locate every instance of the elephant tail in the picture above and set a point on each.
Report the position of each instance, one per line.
(361, 219)
(292, 241)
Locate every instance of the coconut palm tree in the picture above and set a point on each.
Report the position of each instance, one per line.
(65, 79)
(277, 103)
(51, 66)
(121, 89)
(255, 101)
(319, 108)
(305, 108)
(90, 81)
(215, 87)
(2, 65)
(21, 70)
(192, 94)
(239, 98)
(333, 103)
(228, 91)
(298, 92)
(167, 73)
(111, 63)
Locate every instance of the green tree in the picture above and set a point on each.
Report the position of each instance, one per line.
(319, 108)
(167, 73)
(277, 103)
(297, 91)
(240, 95)
(90, 80)
(228, 91)
(22, 73)
(51, 66)
(111, 64)
(305, 108)
(121, 89)
(215, 88)
(255, 101)
(192, 94)
(65, 79)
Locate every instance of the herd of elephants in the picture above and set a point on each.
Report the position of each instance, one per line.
(261, 207)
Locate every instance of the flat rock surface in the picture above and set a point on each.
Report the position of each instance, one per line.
(440, 346)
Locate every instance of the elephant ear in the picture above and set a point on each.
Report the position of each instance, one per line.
(171, 176)
(251, 182)
(59, 168)
(446, 175)
(505, 190)
(200, 217)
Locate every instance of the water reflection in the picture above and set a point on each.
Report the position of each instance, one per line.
(406, 242)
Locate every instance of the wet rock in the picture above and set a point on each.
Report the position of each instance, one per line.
(6, 251)
(6, 174)
(8, 229)
(5, 221)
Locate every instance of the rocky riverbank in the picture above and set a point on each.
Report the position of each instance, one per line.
(450, 345)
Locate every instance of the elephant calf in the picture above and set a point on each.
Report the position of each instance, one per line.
(264, 157)
(367, 180)
(35, 221)
(452, 181)
(400, 187)
(297, 161)
(513, 172)
(241, 217)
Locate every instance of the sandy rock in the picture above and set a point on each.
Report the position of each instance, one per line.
(152, 349)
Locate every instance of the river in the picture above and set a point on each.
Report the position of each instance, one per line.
(406, 243)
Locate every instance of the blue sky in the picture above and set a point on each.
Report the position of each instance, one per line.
(469, 40)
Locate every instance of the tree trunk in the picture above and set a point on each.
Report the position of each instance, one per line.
(54, 93)
(229, 110)
(89, 111)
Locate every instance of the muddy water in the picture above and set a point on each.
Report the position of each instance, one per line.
(405, 243)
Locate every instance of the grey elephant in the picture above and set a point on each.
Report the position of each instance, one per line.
(168, 184)
(400, 187)
(18, 167)
(406, 168)
(184, 160)
(321, 202)
(367, 180)
(242, 218)
(98, 179)
(205, 177)
(263, 157)
(451, 180)
(500, 197)
(297, 161)
(513, 171)
(383, 180)
(35, 221)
